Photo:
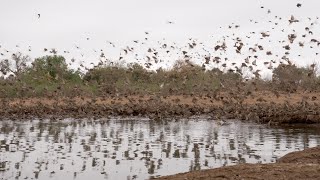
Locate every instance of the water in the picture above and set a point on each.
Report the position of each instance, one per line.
(138, 149)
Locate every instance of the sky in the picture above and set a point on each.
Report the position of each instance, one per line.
(66, 25)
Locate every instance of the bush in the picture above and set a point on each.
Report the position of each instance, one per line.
(290, 78)
(53, 68)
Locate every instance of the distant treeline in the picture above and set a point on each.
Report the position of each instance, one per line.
(50, 76)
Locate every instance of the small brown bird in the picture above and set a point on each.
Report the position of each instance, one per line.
(265, 34)
(301, 44)
(292, 37)
(293, 20)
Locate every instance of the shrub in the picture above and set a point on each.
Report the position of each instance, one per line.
(290, 77)
(53, 68)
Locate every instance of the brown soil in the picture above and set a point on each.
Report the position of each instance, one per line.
(311, 155)
(297, 165)
(261, 107)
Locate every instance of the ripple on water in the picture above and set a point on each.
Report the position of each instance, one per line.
(138, 148)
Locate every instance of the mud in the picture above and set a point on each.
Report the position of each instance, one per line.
(311, 155)
(260, 107)
(296, 165)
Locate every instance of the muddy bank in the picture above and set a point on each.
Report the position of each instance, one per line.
(261, 107)
(296, 165)
(311, 155)
(250, 171)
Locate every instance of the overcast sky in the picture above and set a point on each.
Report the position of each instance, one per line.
(65, 24)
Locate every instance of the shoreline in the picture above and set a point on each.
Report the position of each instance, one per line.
(261, 107)
(303, 164)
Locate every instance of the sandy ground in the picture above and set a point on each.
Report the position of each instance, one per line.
(297, 165)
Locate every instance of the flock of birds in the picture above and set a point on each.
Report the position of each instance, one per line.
(208, 56)
(194, 52)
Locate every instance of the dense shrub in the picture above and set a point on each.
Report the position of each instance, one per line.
(290, 78)
(53, 68)
(51, 75)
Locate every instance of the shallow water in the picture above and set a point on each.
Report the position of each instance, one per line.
(138, 149)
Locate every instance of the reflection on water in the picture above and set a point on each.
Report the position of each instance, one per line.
(137, 149)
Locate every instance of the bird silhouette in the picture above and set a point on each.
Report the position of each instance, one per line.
(293, 20)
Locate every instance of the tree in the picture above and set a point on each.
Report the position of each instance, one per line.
(53, 67)
(289, 77)
(17, 66)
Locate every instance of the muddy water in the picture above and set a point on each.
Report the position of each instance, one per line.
(138, 148)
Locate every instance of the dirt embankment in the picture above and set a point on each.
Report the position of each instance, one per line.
(297, 165)
(307, 156)
(261, 107)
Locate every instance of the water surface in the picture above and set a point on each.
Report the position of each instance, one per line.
(138, 148)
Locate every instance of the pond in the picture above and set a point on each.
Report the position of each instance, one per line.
(138, 148)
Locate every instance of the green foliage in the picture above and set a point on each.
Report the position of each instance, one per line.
(289, 73)
(54, 67)
(51, 75)
(185, 78)
(47, 74)
(103, 75)
(50, 69)
(290, 78)
(138, 73)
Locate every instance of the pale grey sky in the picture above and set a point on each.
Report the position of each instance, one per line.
(66, 23)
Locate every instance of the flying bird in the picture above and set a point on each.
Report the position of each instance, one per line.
(111, 44)
(39, 16)
(293, 20)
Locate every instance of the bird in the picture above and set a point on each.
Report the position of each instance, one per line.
(293, 20)
(109, 42)
(265, 34)
(39, 16)
(299, 5)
